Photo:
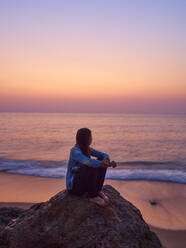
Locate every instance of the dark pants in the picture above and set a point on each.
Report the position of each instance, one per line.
(88, 179)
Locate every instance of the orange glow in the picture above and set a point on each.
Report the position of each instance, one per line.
(78, 63)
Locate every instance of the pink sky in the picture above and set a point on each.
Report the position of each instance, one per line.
(93, 57)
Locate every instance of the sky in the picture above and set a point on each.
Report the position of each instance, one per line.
(119, 56)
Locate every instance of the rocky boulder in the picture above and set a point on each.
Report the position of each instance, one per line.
(7, 214)
(68, 221)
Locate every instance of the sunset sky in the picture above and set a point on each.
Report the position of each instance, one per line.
(93, 56)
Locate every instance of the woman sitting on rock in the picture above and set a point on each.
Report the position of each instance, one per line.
(86, 175)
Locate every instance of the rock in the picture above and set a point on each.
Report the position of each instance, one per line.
(7, 214)
(68, 221)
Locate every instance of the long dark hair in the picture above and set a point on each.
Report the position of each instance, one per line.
(82, 140)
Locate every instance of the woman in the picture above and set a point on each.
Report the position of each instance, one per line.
(84, 174)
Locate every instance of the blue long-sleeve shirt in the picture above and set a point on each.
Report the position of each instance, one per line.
(76, 156)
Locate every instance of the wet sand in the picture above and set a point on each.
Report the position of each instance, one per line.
(170, 238)
(162, 204)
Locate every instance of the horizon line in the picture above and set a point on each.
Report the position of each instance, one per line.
(61, 112)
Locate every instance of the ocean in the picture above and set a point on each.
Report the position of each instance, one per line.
(148, 147)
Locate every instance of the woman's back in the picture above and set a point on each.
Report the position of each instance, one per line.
(76, 158)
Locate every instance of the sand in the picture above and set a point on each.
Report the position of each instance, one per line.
(170, 238)
(162, 204)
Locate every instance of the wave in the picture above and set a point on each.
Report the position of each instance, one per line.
(57, 169)
(141, 162)
(161, 175)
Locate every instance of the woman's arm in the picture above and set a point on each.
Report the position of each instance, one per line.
(77, 155)
(98, 154)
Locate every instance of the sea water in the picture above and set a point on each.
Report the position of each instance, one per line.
(145, 146)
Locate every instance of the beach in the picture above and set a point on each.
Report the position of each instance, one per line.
(161, 204)
(109, 77)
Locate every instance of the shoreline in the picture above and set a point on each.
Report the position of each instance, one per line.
(24, 205)
(4, 171)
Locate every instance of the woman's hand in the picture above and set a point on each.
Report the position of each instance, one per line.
(113, 164)
(106, 163)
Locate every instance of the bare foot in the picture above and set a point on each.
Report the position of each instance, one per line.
(104, 197)
(98, 200)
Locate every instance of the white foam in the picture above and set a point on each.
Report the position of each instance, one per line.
(32, 168)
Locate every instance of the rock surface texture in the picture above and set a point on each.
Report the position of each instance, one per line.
(7, 214)
(68, 221)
